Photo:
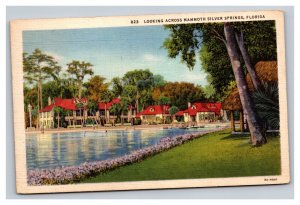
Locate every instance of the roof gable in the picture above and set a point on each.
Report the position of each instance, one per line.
(102, 105)
(67, 104)
(201, 107)
(155, 110)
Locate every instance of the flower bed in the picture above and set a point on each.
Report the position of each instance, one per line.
(72, 174)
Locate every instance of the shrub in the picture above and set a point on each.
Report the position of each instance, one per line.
(89, 122)
(137, 122)
(266, 101)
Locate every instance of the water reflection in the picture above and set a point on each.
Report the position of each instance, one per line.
(74, 148)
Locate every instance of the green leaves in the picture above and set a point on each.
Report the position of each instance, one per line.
(266, 102)
(39, 66)
(173, 110)
(164, 100)
(206, 40)
(80, 69)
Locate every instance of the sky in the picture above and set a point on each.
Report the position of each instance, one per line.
(114, 51)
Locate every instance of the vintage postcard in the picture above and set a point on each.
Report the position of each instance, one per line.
(150, 102)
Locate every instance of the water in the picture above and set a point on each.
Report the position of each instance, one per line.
(73, 148)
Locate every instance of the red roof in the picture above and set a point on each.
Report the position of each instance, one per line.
(180, 113)
(202, 107)
(154, 110)
(67, 104)
(101, 105)
(48, 108)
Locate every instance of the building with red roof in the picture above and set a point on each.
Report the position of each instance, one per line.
(201, 112)
(154, 113)
(46, 114)
(103, 105)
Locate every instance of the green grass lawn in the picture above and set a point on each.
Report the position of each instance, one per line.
(213, 155)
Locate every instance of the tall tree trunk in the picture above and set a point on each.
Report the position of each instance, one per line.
(250, 68)
(246, 100)
(41, 97)
(163, 114)
(38, 108)
(122, 117)
(241, 121)
(79, 89)
(58, 120)
(105, 114)
(69, 118)
(41, 94)
(232, 121)
(137, 105)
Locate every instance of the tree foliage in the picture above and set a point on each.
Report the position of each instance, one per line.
(190, 40)
(79, 70)
(267, 104)
(37, 68)
(180, 93)
(95, 86)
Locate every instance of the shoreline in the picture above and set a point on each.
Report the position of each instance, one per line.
(123, 128)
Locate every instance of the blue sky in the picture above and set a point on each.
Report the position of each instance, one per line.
(114, 51)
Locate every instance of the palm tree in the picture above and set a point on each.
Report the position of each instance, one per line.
(105, 97)
(124, 107)
(164, 101)
(80, 70)
(92, 106)
(116, 109)
(129, 93)
(257, 137)
(39, 67)
(58, 111)
(266, 102)
(79, 105)
(173, 110)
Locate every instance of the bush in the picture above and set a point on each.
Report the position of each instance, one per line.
(89, 122)
(168, 120)
(266, 102)
(159, 120)
(137, 121)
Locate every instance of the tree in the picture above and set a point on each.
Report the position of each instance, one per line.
(39, 67)
(164, 101)
(246, 100)
(79, 70)
(185, 40)
(125, 103)
(58, 110)
(30, 98)
(116, 109)
(51, 89)
(95, 86)
(80, 106)
(68, 85)
(105, 97)
(92, 108)
(173, 110)
(210, 93)
(117, 86)
(129, 93)
(266, 101)
(180, 93)
(188, 40)
(141, 79)
(158, 81)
